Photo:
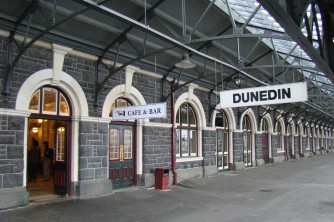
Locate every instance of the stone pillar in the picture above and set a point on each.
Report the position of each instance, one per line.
(258, 150)
(93, 159)
(238, 162)
(12, 160)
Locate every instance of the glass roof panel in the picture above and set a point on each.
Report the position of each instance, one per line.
(241, 11)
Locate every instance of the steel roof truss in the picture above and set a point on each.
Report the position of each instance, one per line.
(11, 64)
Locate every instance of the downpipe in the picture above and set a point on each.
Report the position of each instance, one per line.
(173, 155)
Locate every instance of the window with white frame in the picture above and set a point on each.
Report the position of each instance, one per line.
(49, 100)
(186, 132)
(247, 143)
(222, 143)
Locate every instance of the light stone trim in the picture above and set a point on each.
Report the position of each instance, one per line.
(13, 112)
(199, 112)
(45, 77)
(59, 53)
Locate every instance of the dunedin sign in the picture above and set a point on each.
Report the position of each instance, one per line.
(150, 111)
(265, 95)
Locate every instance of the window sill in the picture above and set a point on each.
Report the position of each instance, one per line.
(280, 151)
(188, 159)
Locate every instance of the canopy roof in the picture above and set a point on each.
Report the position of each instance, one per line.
(224, 39)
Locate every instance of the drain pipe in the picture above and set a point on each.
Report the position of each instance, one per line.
(173, 155)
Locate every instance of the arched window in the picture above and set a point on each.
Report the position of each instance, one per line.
(48, 100)
(247, 145)
(186, 132)
(265, 127)
(279, 136)
(221, 120)
(119, 102)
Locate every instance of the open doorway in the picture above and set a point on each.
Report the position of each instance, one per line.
(47, 165)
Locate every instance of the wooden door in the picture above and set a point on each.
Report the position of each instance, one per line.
(222, 150)
(121, 156)
(60, 160)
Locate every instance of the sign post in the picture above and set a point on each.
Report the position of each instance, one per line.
(150, 111)
(265, 95)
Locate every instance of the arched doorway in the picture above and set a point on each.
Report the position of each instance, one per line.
(222, 143)
(247, 141)
(122, 149)
(49, 125)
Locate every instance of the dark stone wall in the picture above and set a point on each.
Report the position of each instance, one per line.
(33, 60)
(93, 151)
(11, 151)
(274, 145)
(209, 148)
(156, 148)
(297, 144)
(258, 146)
(237, 147)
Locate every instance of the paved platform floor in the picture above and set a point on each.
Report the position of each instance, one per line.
(299, 190)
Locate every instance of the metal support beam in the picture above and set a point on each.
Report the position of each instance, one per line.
(10, 67)
(244, 35)
(295, 33)
(201, 18)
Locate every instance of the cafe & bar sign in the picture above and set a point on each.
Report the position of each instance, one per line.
(265, 95)
(149, 111)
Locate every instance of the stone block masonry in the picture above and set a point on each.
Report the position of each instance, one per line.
(11, 151)
(93, 151)
(156, 149)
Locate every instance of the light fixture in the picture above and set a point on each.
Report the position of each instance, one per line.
(239, 80)
(34, 129)
(185, 63)
(61, 129)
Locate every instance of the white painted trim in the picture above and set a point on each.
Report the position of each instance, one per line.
(188, 159)
(134, 96)
(251, 114)
(154, 124)
(139, 151)
(45, 77)
(76, 97)
(252, 118)
(25, 153)
(119, 91)
(231, 126)
(229, 114)
(199, 112)
(211, 128)
(238, 131)
(75, 150)
(91, 119)
(13, 112)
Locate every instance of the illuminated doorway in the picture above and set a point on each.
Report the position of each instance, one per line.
(48, 125)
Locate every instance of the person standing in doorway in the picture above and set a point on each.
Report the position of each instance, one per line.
(48, 157)
(34, 158)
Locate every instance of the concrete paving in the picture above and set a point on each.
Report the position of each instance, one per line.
(299, 190)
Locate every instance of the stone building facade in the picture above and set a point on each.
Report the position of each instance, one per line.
(89, 127)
